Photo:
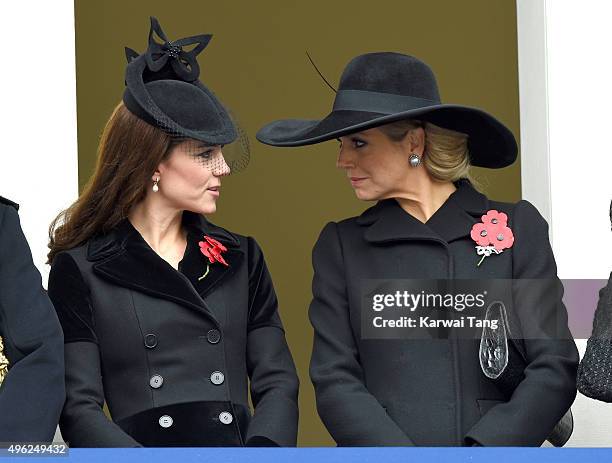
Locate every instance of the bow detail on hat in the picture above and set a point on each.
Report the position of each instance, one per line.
(183, 62)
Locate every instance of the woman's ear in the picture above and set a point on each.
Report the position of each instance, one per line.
(416, 141)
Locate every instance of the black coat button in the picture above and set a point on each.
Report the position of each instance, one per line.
(165, 421)
(226, 417)
(150, 341)
(216, 377)
(156, 381)
(213, 336)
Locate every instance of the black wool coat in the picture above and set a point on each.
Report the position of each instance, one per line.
(171, 354)
(32, 393)
(432, 391)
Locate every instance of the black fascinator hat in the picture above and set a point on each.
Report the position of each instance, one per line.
(380, 88)
(163, 89)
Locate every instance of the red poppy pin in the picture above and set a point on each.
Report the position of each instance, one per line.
(212, 249)
(492, 235)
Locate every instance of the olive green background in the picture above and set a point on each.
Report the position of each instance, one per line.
(256, 64)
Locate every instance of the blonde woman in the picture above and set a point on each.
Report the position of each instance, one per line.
(400, 146)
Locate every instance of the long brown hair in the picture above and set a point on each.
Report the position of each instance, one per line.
(128, 154)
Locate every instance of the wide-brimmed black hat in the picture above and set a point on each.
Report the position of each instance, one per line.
(379, 88)
(162, 88)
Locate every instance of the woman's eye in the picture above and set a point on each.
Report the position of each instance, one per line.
(358, 143)
(205, 155)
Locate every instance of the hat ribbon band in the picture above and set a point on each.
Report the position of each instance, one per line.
(377, 102)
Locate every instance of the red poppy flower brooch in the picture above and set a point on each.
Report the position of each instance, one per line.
(492, 235)
(212, 249)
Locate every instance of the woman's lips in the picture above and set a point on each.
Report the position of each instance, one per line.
(357, 180)
(214, 191)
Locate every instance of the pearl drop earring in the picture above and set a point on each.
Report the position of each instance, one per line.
(414, 160)
(155, 187)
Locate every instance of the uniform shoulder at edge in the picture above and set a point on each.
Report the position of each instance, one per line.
(7, 202)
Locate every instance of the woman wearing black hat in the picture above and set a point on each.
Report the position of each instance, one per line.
(400, 146)
(166, 317)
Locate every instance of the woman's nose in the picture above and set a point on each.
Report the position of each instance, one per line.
(221, 169)
(345, 160)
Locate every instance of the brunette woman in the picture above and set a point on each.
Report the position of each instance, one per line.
(166, 316)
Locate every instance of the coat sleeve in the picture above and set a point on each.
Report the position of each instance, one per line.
(83, 422)
(350, 412)
(549, 386)
(274, 381)
(32, 394)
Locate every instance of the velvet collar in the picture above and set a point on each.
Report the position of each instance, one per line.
(387, 221)
(124, 257)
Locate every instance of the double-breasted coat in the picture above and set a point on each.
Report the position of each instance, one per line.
(169, 352)
(32, 392)
(432, 391)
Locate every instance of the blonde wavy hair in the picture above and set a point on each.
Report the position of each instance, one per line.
(446, 156)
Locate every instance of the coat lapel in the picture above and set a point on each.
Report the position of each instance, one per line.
(124, 258)
(194, 263)
(387, 221)
(465, 207)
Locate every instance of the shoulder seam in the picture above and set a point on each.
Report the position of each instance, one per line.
(8, 202)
